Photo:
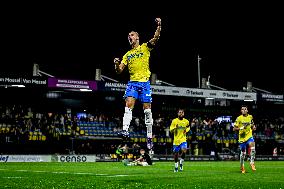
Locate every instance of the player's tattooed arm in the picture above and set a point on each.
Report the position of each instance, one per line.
(154, 40)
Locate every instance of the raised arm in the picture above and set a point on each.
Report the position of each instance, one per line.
(119, 66)
(154, 40)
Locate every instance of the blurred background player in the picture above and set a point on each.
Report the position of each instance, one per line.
(137, 60)
(135, 150)
(143, 160)
(118, 152)
(179, 127)
(244, 125)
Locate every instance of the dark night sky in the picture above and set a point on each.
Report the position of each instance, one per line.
(236, 45)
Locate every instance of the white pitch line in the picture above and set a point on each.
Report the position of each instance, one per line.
(59, 172)
(101, 174)
(89, 174)
(117, 176)
(40, 171)
(64, 172)
(14, 177)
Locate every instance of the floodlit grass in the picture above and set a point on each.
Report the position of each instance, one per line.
(269, 174)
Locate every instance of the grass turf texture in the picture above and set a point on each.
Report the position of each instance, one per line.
(269, 174)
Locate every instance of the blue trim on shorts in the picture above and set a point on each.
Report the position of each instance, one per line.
(244, 145)
(139, 90)
(177, 148)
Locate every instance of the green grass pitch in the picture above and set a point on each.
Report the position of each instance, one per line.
(269, 174)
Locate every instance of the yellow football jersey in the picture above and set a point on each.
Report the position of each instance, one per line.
(179, 129)
(137, 60)
(245, 123)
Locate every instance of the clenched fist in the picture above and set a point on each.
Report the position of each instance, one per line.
(116, 60)
(159, 21)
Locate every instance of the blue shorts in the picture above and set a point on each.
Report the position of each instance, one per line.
(177, 148)
(244, 145)
(139, 90)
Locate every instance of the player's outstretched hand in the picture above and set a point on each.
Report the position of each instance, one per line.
(159, 21)
(116, 60)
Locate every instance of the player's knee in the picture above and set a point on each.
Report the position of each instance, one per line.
(146, 106)
(130, 105)
(130, 102)
(252, 144)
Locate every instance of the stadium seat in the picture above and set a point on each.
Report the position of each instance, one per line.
(82, 132)
(34, 137)
(130, 156)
